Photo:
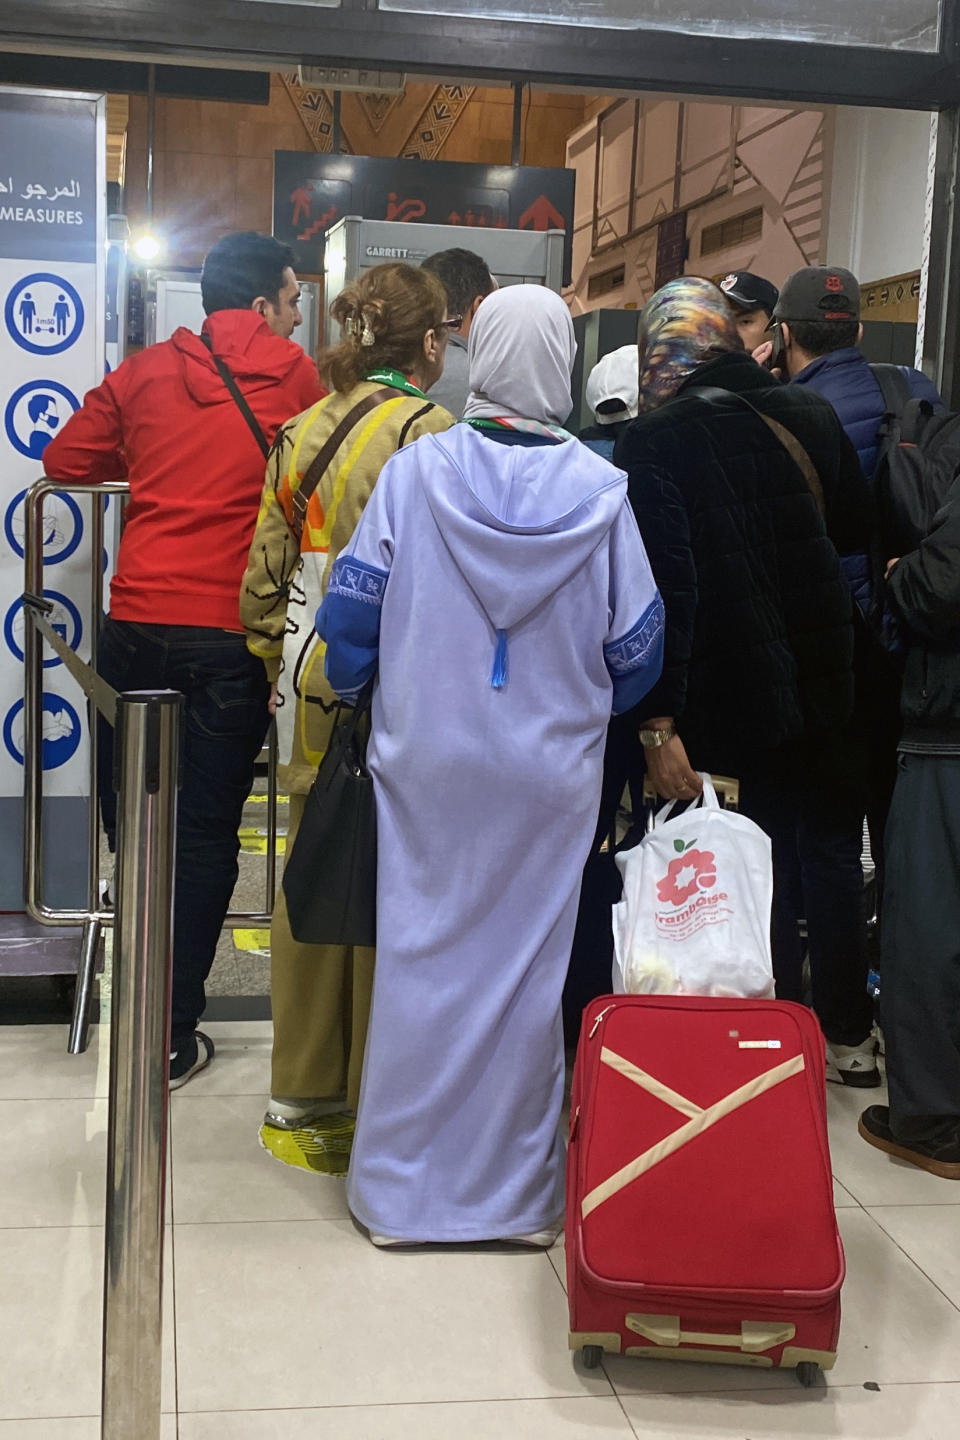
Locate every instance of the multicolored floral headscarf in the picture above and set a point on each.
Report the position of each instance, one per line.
(684, 324)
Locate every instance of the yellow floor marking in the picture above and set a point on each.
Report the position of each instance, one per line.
(253, 841)
(252, 939)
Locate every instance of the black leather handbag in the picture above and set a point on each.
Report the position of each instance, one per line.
(330, 875)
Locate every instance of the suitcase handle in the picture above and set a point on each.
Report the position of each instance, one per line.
(755, 1335)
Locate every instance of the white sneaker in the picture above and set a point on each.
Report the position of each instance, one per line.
(854, 1064)
(539, 1239)
(290, 1114)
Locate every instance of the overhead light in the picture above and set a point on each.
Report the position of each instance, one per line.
(148, 247)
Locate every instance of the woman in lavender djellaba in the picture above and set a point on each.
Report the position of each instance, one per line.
(498, 586)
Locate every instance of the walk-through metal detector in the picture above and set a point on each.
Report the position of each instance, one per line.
(173, 298)
(514, 257)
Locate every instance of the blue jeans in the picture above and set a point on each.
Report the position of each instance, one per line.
(225, 723)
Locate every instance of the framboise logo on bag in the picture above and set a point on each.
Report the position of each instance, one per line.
(689, 886)
(692, 870)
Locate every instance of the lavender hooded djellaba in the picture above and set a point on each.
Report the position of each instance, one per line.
(505, 594)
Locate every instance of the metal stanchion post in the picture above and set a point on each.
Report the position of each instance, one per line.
(148, 748)
(92, 928)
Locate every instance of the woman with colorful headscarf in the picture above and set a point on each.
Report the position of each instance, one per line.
(498, 587)
(736, 482)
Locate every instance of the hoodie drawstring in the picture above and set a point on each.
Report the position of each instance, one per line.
(499, 677)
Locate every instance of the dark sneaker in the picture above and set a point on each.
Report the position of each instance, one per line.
(191, 1058)
(940, 1155)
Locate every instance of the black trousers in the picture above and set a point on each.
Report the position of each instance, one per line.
(815, 830)
(920, 943)
(225, 722)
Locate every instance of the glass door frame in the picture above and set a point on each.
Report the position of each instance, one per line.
(359, 35)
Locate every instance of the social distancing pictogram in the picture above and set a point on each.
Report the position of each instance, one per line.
(44, 313)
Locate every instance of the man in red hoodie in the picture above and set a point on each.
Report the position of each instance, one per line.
(188, 423)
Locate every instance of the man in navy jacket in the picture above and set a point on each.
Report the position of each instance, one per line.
(819, 315)
(819, 311)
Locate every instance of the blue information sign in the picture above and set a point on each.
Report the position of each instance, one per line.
(35, 412)
(61, 731)
(64, 618)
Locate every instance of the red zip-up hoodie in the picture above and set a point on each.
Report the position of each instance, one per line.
(166, 421)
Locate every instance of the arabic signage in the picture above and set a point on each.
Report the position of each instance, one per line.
(313, 192)
(48, 181)
(52, 260)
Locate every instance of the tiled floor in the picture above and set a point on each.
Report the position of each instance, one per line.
(283, 1323)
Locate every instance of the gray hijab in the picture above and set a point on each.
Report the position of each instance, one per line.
(521, 353)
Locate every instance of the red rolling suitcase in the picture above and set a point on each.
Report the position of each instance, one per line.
(700, 1218)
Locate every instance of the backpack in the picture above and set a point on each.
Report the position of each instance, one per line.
(919, 457)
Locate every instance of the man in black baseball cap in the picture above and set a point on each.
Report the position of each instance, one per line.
(819, 314)
(753, 300)
(820, 292)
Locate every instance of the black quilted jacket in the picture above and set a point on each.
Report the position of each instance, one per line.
(759, 639)
(925, 594)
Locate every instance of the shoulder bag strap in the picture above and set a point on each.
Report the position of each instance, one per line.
(239, 398)
(319, 463)
(894, 387)
(786, 437)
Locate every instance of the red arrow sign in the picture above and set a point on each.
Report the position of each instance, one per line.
(325, 219)
(541, 216)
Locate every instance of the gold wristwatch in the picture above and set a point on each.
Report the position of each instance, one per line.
(653, 739)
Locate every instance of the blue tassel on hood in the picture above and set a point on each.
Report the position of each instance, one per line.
(499, 677)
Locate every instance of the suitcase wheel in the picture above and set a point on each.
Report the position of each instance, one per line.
(807, 1372)
(593, 1354)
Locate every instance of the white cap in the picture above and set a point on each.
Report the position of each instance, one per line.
(615, 377)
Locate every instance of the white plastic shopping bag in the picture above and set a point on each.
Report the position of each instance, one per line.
(695, 913)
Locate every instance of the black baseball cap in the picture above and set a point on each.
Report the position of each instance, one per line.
(749, 292)
(820, 292)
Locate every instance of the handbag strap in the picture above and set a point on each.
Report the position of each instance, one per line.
(786, 437)
(302, 495)
(345, 736)
(238, 397)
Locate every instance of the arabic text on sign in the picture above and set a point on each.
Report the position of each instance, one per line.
(35, 191)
